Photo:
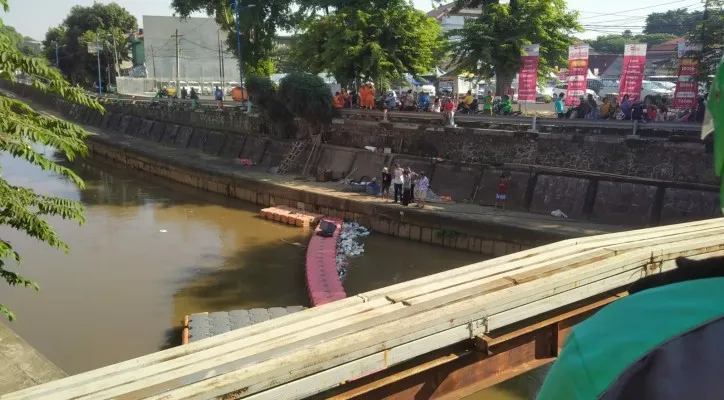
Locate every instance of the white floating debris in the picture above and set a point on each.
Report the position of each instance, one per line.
(162, 230)
(347, 245)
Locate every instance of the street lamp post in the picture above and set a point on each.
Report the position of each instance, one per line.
(238, 39)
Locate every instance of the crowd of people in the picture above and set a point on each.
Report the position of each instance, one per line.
(406, 186)
(626, 110)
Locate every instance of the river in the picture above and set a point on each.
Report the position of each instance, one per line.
(152, 251)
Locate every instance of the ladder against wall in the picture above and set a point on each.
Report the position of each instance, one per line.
(297, 149)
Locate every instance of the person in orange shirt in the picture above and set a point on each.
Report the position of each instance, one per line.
(338, 101)
(371, 96)
(363, 96)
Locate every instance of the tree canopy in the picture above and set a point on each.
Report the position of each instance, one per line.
(17, 40)
(259, 25)
(81, 26)
(491, 44)
(614, 44)
(710, 32)
(678, 22)
(377, 42)
(21, 129)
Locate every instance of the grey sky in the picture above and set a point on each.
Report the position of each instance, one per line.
(34, 17)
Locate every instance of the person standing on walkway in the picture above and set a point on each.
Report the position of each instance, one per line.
(559, 105)
(501, 197)
(219, 96)
(406, 187)
(450, 112)
(386, 182)
(413, 182)
(397, 181)
(423, 184)
(488, 103)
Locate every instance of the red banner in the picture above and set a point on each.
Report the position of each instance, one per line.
(577, 73)
(632, 74)
(528, 74)
(687, 84)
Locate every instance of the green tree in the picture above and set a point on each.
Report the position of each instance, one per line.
(677, 22)
(21, 129)
(109, 21)
(379, 42)
(259, 25)
(709, 32)
(307, 97)
(491, 44)
(614, 44)
(18, 40)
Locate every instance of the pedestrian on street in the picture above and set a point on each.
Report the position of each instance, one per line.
(423, 184)
(397, 181)
(386, 182)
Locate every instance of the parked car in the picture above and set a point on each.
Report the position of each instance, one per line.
(544, 94)
(562, 87)
(649, 90)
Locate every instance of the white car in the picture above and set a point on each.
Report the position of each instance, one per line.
(562, 87)
(648, 89)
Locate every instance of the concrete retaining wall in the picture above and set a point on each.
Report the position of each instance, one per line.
(606, 198)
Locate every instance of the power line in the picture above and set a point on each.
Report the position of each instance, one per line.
(637, 9)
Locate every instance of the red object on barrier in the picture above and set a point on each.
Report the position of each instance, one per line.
(323, 284)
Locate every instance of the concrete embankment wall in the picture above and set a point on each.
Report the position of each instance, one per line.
(570, 172)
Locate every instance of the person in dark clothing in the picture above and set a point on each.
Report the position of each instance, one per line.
(584, 107)
(413, 181)
(700, 110)
(406, 188)
(592, 103)
(184, 93)
(637, 111)
(386, 183)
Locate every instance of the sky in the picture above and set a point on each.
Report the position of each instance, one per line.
(34, 17)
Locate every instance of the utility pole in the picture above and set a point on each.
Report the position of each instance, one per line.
(238, 44)
(57, 59)
(153, 63)
(177, 36)
(221, 62)
(98, 57)
(116, 64)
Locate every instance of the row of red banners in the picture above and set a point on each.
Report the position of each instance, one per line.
(632, 74)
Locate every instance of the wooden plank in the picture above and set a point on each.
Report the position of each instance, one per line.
(249, 350)
(283, 367)
(559, 249)
(361, 337)
(312, 317)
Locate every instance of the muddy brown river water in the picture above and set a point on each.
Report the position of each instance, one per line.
(152, 251)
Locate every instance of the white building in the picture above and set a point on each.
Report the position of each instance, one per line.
(450, 20)
(198, 49)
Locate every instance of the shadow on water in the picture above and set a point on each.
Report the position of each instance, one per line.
(267, 275)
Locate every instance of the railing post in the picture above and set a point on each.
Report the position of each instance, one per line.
(634, 135)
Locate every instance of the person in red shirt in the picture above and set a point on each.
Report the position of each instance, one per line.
(501, 196)
(449, 109)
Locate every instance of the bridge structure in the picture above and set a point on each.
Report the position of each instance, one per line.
(443, 336)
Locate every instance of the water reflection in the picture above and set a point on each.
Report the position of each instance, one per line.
(151, 252)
